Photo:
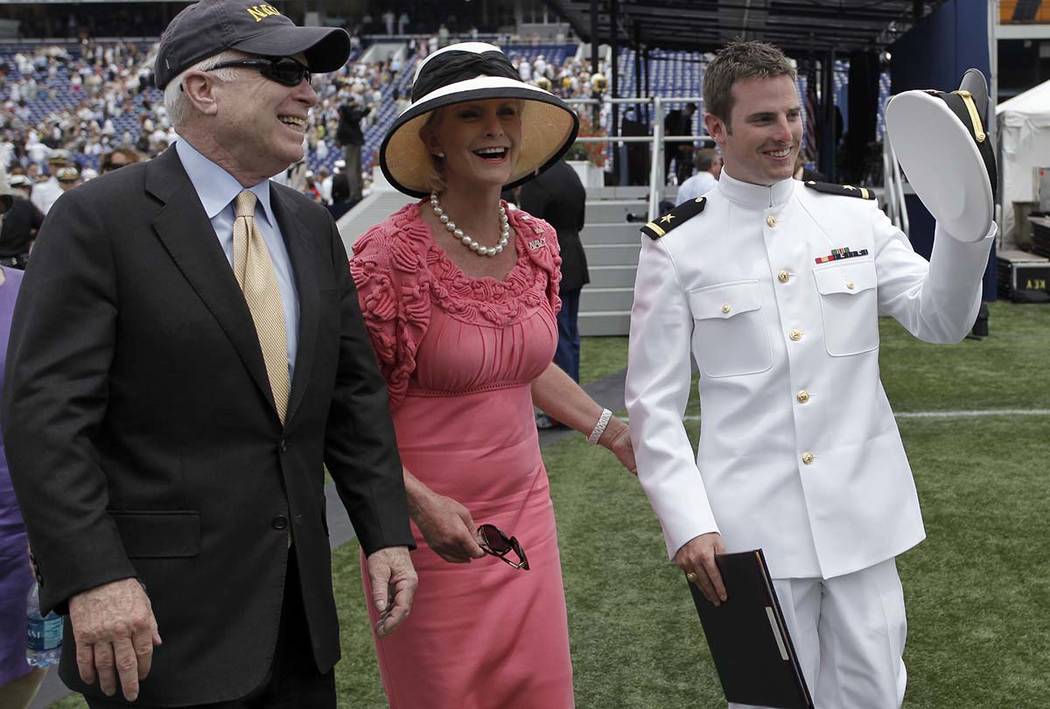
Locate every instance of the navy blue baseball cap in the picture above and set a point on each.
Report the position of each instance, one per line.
(208, 27)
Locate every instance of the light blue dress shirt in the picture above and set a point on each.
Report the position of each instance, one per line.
(699, 184)
(217, 190)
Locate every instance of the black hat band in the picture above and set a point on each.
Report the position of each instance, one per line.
(455, 66)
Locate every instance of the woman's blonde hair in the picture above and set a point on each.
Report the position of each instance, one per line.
(434, 179)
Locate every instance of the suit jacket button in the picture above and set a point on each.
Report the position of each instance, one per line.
(283, 445)
(279, 522)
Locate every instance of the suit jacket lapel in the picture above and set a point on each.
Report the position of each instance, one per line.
(189, 238)
(304, 265)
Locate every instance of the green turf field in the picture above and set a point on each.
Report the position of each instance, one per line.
(978, 590)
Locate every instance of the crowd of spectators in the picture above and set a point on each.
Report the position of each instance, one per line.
(572, 79)
(106, 100)
(107, 97)
(83, 102)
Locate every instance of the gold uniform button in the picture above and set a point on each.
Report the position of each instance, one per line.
(726, 309)
(771, 221)
(808, 458)
(850, 285)
(795, 335)
(802, 396)
(783, 276)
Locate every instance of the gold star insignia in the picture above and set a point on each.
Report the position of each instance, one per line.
(667, 218)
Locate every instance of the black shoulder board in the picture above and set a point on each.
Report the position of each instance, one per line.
(841, 190)
(679, 215)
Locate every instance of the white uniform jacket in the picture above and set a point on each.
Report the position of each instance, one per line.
(799, 452)
(45, 194)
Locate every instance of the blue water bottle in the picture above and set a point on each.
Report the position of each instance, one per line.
(43, 633)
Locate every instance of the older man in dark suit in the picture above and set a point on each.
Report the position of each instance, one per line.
(187, 353)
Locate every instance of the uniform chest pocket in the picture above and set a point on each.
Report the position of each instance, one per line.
(728, 337)
(849, 307)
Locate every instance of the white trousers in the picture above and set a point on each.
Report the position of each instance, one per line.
(849, 634)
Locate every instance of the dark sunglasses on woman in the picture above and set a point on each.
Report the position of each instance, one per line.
(495, 542)
(284, 70)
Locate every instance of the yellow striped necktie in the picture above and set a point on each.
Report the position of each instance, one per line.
(257, 278)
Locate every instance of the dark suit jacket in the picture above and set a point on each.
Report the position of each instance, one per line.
(143, 439)
(559, 197)
(21, 222)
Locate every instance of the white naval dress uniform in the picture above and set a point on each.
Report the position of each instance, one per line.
(45, 194)
(799, 452)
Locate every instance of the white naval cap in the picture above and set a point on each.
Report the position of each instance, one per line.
(942, 143)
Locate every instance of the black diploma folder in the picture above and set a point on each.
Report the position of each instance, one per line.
(748, 638)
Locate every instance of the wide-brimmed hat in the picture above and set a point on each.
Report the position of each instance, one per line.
(208, 27)
(943, 145)
(474, 71)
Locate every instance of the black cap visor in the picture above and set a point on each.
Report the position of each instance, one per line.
(326, 48)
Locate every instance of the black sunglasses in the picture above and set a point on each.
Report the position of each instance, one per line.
(284, 70)
(495, 542)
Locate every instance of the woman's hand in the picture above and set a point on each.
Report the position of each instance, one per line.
(446, 525)
(619, 442)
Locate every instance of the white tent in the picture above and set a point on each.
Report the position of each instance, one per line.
(1024, 140)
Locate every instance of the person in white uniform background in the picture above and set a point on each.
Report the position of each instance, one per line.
(775, 287)
(46, 193)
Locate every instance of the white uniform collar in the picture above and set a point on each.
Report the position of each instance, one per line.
(757, 196)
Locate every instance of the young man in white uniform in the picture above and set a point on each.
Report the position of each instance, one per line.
(775, 288)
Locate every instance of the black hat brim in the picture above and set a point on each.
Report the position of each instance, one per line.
(326, 48)
(975, 82)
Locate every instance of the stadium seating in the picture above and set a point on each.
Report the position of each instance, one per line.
(671, 74)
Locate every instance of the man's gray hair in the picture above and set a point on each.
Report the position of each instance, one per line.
(178, 103)
(704, 159)
(738, 61)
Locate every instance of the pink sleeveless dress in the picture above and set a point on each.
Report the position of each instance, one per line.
(459, 355)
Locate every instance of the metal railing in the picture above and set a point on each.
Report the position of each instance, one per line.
(893, 183)
(657, 139)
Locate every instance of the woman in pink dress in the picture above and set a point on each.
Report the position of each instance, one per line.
(460, 294)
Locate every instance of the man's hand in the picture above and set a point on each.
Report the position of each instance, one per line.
(697, 559)
(115, 631)
(393, 586)
(447, 526)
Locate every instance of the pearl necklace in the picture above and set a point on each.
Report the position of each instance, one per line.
(504, 236)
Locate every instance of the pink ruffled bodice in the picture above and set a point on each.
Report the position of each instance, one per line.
(479, 334)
